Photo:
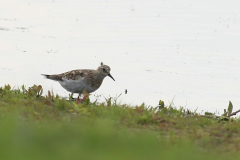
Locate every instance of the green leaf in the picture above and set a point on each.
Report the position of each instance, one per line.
(41, 92)
(230, 108)
(23, 88)
(161, 104)
(209, 113)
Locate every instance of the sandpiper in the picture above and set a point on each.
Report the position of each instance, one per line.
(76, 81)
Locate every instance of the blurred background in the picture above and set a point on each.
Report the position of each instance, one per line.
(177, 49)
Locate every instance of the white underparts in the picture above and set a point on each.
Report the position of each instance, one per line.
(76, 86)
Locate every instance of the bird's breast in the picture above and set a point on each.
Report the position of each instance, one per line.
(77, 86)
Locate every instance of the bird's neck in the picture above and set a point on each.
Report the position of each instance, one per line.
(99, 77)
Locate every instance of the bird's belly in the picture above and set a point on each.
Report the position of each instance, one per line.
(76, 86)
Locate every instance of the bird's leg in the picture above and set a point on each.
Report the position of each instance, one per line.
(79, 96)
(78, 100)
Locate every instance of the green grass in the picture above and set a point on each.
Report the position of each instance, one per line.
(50, 127)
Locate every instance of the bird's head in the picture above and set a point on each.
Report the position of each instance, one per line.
(105, 71)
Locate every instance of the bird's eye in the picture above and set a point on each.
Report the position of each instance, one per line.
(104, 69)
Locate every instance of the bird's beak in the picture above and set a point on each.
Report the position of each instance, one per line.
(111, 76)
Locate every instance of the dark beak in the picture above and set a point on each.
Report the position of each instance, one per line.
(111, 76)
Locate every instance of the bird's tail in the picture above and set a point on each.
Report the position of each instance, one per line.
(46, 76)
(52, 77)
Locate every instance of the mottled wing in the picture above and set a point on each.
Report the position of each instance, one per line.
(71, 75)
(76, 74)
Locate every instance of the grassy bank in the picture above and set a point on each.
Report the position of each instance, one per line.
(50, 127)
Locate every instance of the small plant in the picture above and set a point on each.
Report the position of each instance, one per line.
(34, 91)
(161, 104)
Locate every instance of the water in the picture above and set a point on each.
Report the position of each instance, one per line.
(182, 50)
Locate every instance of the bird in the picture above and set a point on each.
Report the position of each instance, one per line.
(76, 81)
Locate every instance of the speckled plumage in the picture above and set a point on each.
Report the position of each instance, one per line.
(76, 81)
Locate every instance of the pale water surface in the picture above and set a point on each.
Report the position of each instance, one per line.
(157, 49)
